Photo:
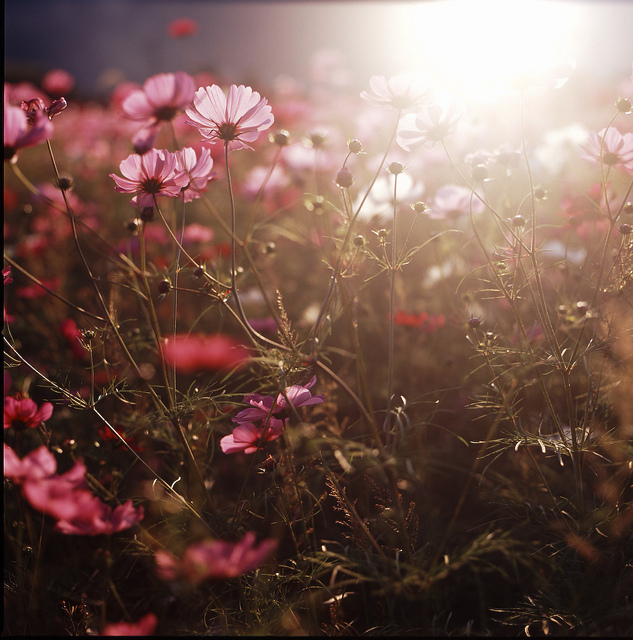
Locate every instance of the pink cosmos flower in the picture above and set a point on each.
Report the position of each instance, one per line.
(399, 92)
(249, 438)
(452, 201)
(36, 465)
(430, 125)
(150, 175)
(213, 352)
(145, 626)
(615, 149)
(58, 82)
(20, 133)
(214, 559)
(236, 119)
(163, 96)
(199, 171)
(265, 406)
(23, 413)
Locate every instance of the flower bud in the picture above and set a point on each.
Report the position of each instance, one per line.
(65, 183)
(518, 220)
(419, 207)
(628, 207)
(164, 286)
(358, 241)
(623, 105)
(317, 139)
(540, 193)
(355, 146)
(474, 322)
(480, 172)
(344, 178)
(282, 138)
(395, 168)
(147, 214)
(625, 229)
(582, 307)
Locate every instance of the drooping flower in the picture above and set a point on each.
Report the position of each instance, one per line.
(38, 464)
(248, 438)
(400, 92)
(236, 119)
(20, 133)
(23, 413)
(145, 626)
(163, 96)
(215, 352)
(431, 124)
(199, 171)
(151, 175)
(615, 149)
(214, 559)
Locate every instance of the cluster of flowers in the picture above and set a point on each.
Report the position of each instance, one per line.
(272, 414)
(65, 496)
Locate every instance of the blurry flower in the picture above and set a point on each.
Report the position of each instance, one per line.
(430, 125)
(23, 413)
(399, 92)
(237, 119)
(195, 232)
(94, 517)
(265, 406)
(182, 28)
(6, 275)
(145, 626)
(19, 133)
(38, 464)
(72, 335)
(614, 148)
(216, 559)
(199, 171)
(191, 353)
(553, 77)
(249, 438)
(163, 96)
(451, 201)
(58, 82)
(150, 175)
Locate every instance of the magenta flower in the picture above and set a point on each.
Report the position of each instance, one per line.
(20, 133)
(249, 438)
(399, 92)
(149, 176)
(163, 96)
(23, 413)
(213, 352)
(430, 125)
(615, 149)
(452, 201)
(36, 465)
(58, 82)
(199, 171)
(214, 559)
(265, 406)
(145, 626)
(236, 120)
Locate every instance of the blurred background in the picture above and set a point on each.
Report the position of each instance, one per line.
(468, 43)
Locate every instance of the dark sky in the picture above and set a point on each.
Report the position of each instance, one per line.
(100, 41)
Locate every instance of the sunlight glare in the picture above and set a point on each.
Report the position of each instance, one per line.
(478, 48)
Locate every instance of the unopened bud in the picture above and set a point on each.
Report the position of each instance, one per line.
(358, 241)
(355, 146)
(419, 207)
(395, 168)
(540, 193)
(281, 137)
(474, 322)
(147, 214)
(625, 229)
(317, 139)
(623, 105)
(628, 207)
(65, 183)
(344, 178)
(518, 221)
(164, 286)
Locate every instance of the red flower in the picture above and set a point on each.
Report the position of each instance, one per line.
(214, 352)
(143, 627)
(182, 28)
(214, 559)
(22, 413)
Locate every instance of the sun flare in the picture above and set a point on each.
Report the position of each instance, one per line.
(477, 48)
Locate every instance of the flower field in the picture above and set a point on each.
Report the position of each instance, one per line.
(304, 360)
